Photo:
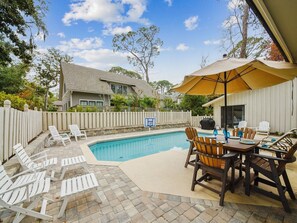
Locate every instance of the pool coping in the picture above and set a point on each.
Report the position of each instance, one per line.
(91, 159)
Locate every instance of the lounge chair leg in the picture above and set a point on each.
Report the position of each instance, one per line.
(63, 172)
(63, 207)
(195, 174)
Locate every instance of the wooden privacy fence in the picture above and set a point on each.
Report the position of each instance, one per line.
(195, 122)
(17, 127)
(97, 120)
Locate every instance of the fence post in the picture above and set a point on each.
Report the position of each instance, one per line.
(26, 108)
(7, 104)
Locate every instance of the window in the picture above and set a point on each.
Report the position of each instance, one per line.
(119, 89)
(235, 114)
(96, 103)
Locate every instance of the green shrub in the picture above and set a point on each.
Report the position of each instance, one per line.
(16, 101)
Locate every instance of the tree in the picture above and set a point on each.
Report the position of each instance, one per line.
(162, 86)
(244, 34)
(12, 78)
(142, 46)
(48, 70)
(169, 103)
(123, 71)
(17, 20)
(194, 103)
(148, 102)
(118, 101)
(274, 53)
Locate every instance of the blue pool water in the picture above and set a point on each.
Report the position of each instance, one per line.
(131, 148)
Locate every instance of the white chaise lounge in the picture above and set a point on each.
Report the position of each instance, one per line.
(29, 162)
(27, 187)
(75, 185)
(56, 137)
(76, 132)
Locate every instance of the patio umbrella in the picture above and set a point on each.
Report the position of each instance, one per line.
(230, 75)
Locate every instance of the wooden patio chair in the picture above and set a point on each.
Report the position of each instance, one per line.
(284, 142)
(272, 167)
(248, 133)
(76, 132)
(191, 134)
(214, 163)
(25, 188)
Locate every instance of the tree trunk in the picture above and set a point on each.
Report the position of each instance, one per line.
(147, 76)
(245, 18)
(46, 99)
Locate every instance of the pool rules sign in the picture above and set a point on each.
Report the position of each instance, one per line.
(149, 122)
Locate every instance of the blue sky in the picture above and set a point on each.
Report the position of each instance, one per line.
(189, 29)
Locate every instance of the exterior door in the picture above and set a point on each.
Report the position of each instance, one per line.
(235, 114)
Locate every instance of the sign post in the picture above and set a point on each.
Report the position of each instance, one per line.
(149, 123)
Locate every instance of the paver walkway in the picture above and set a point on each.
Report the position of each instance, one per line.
(123, 201)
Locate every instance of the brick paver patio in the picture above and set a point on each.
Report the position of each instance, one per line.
(123, 201)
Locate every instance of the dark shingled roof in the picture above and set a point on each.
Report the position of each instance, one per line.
(84, 79)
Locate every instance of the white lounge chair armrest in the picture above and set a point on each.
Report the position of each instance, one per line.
(23, 172)
(38, 154)
(40, 158)
(84, 131)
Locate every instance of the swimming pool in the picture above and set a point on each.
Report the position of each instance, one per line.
(131, 148)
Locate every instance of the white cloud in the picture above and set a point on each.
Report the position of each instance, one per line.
(106, 11)
(229, 22)
(61, 35)
(89, 52)
(169, 2)
(182, 47)
(80, 44)
(212, 42)
(234, 4)
(110, 30)
(191, 23)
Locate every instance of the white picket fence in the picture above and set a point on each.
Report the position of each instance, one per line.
(17, 127)
(97, 120)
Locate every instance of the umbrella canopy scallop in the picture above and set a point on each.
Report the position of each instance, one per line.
(238, 75)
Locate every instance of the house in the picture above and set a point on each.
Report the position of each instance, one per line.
(86, 86)
(276, 104)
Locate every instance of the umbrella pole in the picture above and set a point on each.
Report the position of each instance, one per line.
(225, 97)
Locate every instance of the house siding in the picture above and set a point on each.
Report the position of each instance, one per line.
(274, 104)
(76, 96)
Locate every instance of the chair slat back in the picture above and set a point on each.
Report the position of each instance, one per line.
(264, 126)
(236, 130)
(287, 156)
(23, 157)
(5, 181)
(249, 133)
(210, 152)
(191, 133)
(75, 130)
(284, 142)
(54, 132)
(242, 124)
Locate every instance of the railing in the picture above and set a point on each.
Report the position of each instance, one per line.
(97, 120)
(17, 127)
(195, 122)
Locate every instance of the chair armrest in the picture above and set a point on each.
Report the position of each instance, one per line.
(39, 158)
(271, 149)
(272, 157)
(37, 154)
(23, 172)
(84, 131)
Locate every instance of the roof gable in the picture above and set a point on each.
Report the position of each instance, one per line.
(85, 79)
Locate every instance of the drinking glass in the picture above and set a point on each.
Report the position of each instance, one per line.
(240, 133)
